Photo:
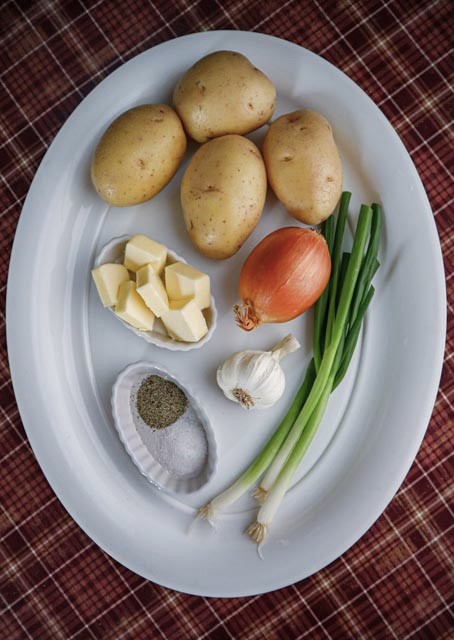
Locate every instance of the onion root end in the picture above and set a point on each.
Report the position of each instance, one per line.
(245, 316)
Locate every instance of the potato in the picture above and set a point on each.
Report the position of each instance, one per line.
(222, 194)
(223, 93)
(303, 165)
(138, 155)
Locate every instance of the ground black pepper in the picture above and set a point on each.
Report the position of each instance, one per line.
(160, 402)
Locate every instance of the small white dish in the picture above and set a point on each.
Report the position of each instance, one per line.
(146, 445)
(113, 251)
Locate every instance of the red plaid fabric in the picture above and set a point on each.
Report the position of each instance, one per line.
(396, 581)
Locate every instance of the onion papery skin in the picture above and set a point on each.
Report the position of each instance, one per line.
(283, 276)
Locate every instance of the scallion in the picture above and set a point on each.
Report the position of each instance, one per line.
(326, 365)
(339, 313)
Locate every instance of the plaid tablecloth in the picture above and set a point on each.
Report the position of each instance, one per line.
(396, 581)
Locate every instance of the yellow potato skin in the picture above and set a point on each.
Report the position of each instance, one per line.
(303, 165)
(223, 93)
(138, 155)
(223, 194)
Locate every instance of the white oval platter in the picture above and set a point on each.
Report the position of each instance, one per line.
(64, 346)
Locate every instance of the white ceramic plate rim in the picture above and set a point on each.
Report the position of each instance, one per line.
(18, 344)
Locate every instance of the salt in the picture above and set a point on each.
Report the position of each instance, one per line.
(181, 448)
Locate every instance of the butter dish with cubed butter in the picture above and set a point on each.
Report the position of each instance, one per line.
(175, 311)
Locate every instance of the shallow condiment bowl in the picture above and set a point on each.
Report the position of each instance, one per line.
(125, 424)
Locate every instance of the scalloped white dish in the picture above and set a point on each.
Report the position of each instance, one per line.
(147, 446)
(113, 251)
(63, 345)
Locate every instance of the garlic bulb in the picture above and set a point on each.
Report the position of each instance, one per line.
(255, 379)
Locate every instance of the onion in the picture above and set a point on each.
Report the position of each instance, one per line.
(283, 276)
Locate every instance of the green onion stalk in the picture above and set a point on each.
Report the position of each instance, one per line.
(339, 313)
(327, 361)
(259, 529)
(357, 277)
(278, 476)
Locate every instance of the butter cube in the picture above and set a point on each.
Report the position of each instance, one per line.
(184, 281)
(184, 321)
(108, 278)
(151, 289)
(141, 250)
(132, 309)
